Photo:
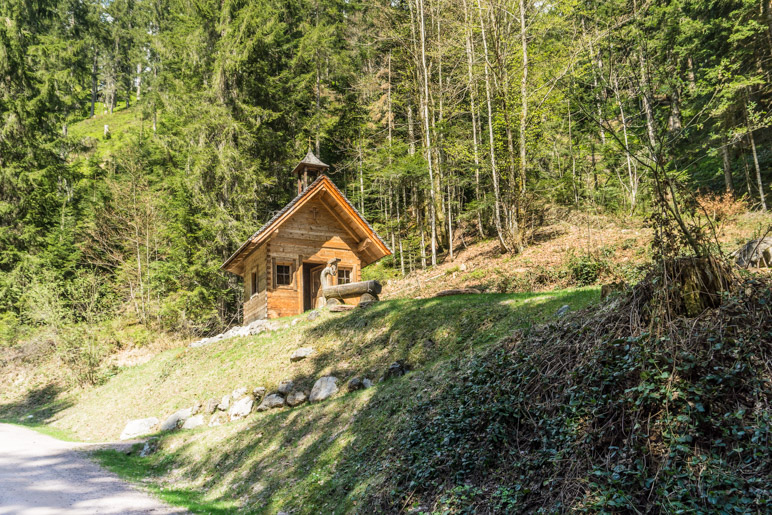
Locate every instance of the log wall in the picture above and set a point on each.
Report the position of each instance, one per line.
(311, 235)
(255, 302)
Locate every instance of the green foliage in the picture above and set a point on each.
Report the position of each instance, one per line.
(586, 268)
(667, 423)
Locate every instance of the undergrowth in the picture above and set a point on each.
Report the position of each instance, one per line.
(596, 413)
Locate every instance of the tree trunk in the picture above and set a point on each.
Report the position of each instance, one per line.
(425, 70)
(494, 171)
(93, 82)
(573, 156)
(756, 164)
(632, 175)
(473, 110)
(139, 80)
(726, 163)
(361, 180)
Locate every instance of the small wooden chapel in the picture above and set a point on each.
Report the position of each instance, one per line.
(281, 263)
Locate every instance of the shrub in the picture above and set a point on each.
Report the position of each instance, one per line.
(585, 269)
(9, 329)
(722, 207)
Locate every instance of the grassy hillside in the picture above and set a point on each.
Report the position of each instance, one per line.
(363, 343)
(588, 413)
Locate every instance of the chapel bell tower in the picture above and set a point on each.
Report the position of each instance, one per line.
(308, 170)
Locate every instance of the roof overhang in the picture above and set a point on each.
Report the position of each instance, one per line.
(370, 247)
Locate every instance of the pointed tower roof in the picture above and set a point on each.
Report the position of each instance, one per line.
(310, 161)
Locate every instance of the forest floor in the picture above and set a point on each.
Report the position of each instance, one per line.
(568, 243)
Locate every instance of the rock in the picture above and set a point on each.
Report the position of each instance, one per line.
(196, 408)
(366, 383)
(224, 403)
(217, 419)
(258, 393)
(138, 427)
(201, 343)
(285, 387)
(296, 322)
(755, 253)
(238, 393)
(323, 388)
(193, 422)
(256, 327)
(151, 445)
(563, 310)
(272, 401)
(301, 353)
(241, 408)
(397, 369)
(462, 267)
(211, 406)
(341, 308)
(458, 291)
(367, 300)
(174, 420)
(296, 398)
(355, 384)
(313, 315)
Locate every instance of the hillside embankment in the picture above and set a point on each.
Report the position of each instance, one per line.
(504, 402)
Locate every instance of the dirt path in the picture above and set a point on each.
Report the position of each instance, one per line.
(40, 475)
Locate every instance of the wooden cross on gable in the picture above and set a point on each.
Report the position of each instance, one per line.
(314, 212)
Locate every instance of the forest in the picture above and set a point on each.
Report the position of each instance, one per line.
(441, 119)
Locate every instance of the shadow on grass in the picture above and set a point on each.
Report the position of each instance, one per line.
(329, 457)
(37, 407)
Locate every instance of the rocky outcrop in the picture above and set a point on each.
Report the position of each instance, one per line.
(563, 310)
(258, 393)
(238, 393)
(139, 427)
(324, 388)
(225, 403)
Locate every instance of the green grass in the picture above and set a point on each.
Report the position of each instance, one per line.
(135, 470)
(358, 343)
(123, 124)
(45, 429)
(314, 458)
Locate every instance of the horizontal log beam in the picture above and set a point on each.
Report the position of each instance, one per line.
(344, 291)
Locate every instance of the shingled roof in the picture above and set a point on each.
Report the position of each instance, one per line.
(322, 181)
(310, 161)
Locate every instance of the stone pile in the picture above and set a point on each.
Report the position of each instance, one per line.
(240, 403)
(251, 329)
